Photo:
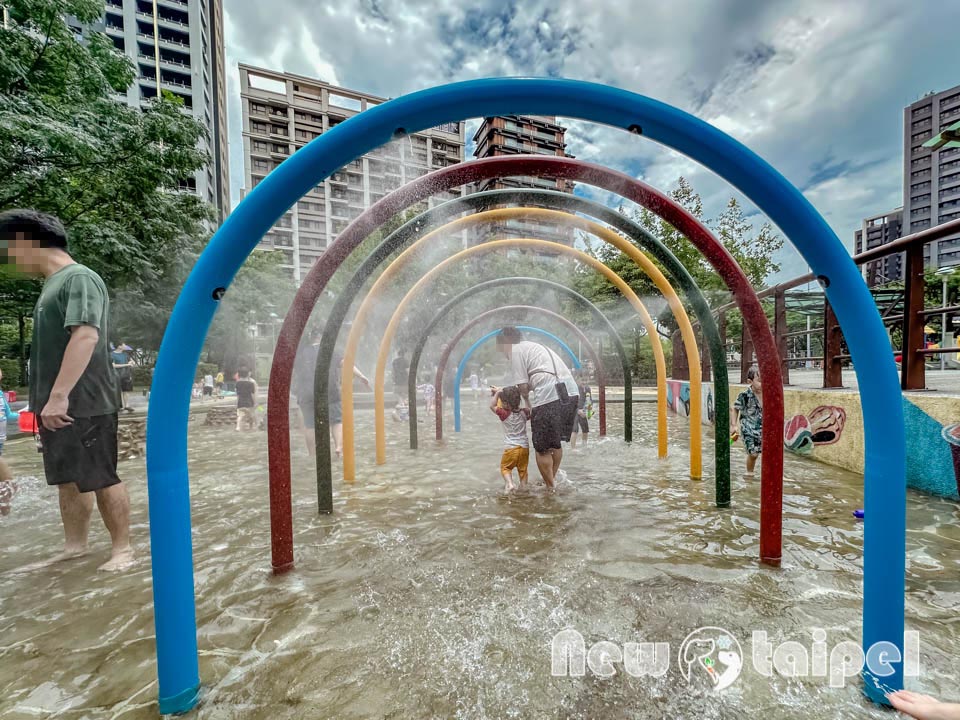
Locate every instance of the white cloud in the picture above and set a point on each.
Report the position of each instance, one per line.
(813, 86)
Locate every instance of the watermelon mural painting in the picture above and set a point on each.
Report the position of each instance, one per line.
(821, 426)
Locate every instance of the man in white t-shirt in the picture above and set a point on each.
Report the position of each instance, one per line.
(537, 371)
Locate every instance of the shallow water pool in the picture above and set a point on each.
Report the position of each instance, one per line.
(430, 594)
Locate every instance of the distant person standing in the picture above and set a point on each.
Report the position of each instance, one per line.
(475, 385)
(218, 384)
(400, 369)
(73, 387)
(208, 386)
(581, 421)
(246, 401)
(5, 474)
(123, 366)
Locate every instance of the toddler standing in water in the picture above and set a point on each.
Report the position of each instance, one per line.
(749, 418)
(429, 395)
(506, 406)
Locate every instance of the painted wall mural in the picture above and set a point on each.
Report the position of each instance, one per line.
(827, 426)
(822, 426)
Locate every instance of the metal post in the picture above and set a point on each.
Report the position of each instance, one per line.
(780, 331)
(832, 347)
(681, 367)
(809, 363)
(913, 363)
(705, 363)
(943, 325)
(746, 353)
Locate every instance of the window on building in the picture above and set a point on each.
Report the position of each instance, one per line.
(920, 198)
(922, 110)
(258, 108)
(259, 146)
(259, 127)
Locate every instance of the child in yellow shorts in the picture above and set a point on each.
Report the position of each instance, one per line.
(506, 406)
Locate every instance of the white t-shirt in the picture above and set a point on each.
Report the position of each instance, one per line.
(474, 382)
(514, 427)
(208, 380)
(534, 365)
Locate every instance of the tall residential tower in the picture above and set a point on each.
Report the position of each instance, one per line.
(931, 178)
(181, 41)
(523, 135)
(282, 112)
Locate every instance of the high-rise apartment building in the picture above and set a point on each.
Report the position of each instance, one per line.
(528, 135)
(282, 112)
(931, 178)
(880, 230)
(181, 42)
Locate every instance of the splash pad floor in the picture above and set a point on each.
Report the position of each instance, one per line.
(430, 594)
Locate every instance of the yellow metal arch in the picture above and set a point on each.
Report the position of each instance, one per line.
(612, 238)
(353, 340)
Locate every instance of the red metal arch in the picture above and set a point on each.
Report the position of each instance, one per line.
(771, 482)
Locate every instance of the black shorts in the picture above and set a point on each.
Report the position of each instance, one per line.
(308, 411)
(552, 424)
(126, 383)
(208, 390)
(84, 453)
(581, 422)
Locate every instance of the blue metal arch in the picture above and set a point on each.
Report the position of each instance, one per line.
(458, 378)
(167, 472)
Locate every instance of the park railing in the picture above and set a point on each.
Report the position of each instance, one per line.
(913, 350)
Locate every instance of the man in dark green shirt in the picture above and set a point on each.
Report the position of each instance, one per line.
(73, 388)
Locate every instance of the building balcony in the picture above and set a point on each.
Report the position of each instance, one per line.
(164, 62)
(164, 41)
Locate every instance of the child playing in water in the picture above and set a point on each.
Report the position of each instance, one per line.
(429, 395)
(506, 406)
(7, 486)
(749, 418)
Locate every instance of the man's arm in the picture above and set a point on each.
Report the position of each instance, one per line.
(83, 341)
(493, 402)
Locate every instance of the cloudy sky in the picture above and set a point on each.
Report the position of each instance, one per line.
(816, 87)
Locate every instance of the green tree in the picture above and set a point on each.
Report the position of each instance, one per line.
(259, 295)
(18, 295)
(69, 147)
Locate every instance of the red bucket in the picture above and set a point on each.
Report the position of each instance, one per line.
(27, 422)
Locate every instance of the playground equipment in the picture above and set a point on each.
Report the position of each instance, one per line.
(458, 380)
(353, 339)
(643, 262)
(442, 180)
(168, 477)
(512, 282)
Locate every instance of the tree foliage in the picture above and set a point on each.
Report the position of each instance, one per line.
(70, 147)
